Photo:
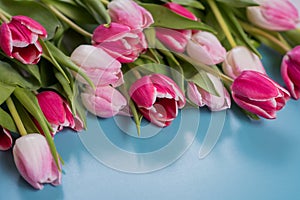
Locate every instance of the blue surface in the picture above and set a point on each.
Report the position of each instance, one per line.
(251, 160)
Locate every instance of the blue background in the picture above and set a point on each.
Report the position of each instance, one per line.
(252, 160)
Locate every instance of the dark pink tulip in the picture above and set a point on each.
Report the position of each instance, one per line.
(158, 98)
(180, 10)
(290, 71)
(5, 139)
(257, 93)
(19, 39)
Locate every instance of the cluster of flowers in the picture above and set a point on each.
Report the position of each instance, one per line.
(227, 71)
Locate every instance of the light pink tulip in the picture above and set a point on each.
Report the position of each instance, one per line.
(5, 139)
(129, 13)
(19, 39)
(58, 112)
(99, 66)
(120, 41)
(201, 97)
(206, 48)
(158, 98)
(277, 15)
(290, 71)
(239, 59)
(34, 161)
(257, 93)
(180, 10)
(104, 102)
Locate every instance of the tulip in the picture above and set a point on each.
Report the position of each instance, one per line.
(58, 112)
(99, 66)
(19, 39)
(239, 59)
(158, 98)
(276, 15)
(120, 42)
(5, 139)
(257, 93)
(201, 97)
(34, 161)
(129, 13)
(104, 102)
(180, 10)
(290, 71)
(206, 48)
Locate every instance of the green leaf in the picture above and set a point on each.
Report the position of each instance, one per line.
(6, 121)
(97, 9)
(239, 3)
(292, 37)
(5, 92)
(36, 11)
(163, 17)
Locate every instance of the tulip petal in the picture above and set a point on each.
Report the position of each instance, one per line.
(32, 25)
(6, 39)
(5, 139)
(177, 8)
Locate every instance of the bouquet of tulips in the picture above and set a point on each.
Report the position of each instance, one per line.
(143, 59)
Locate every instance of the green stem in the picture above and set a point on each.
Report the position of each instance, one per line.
(256, 31)
(105, 2)
(4, 16)
(11, 106)
(69, 22)
(222, 22)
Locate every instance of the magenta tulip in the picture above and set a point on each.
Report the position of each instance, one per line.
(120, 42)
(277, 15)
(239, 59)
(19, 39)
(104, 102)
(180, 10)
(158, 98)
(5, 139)
(201, 97)
(34, 161)
(290, 71)
(257, 93)
(206, 48)
(99, 66)
(129, 13)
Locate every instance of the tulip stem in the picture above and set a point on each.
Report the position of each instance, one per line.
(11, 106)
(257, 31)
(4, 16)
(222, 22)
(105, 2)
(69, 22)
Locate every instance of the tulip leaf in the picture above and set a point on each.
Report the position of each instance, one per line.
(292, 37)
(5, 92)
(163, 17)
(10, 76)
(6, 121)
(29, 101)
(239, 3)
(96, 9)
(36, 11)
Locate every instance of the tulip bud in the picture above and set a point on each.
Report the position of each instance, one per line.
(201, 97)
(257, 93)
(34, 161)
(180, 10)
(120, 42)
(5, 139)
(105, 101)
(158, 98)
(19, 39)
(239, 59)
(290, 71)
(99, 66)
(206, 48)
(276, 15)
(129, 13)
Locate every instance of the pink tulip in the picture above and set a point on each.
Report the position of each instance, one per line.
(290, 71)
(180, 10)
(34, 161)
(206, 48)
(99, 66)
(5, 139)
(257, 93)
(239, 59)
(129, 13)
(58, 112)
(277, 15)
(104, 102)
(201, 97)
(158, 98)
(120, 42)
(19, 39)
